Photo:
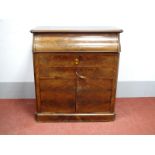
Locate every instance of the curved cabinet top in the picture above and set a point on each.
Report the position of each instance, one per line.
(76, 40)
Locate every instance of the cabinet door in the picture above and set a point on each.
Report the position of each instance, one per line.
(57, 95)
(93, 91)
(96, 77)
(57, 83)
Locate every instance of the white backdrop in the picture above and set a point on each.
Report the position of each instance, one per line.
(135, 17)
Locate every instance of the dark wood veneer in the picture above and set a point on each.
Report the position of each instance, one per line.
(75, 74)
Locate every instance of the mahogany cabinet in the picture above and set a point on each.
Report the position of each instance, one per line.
(75, 73)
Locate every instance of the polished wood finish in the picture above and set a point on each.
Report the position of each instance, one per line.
(57, 95)
(90, 29)
(76, 42)
(75, 74)
(75, 117)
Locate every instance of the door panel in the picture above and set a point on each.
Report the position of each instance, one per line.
(95, 75)
(93, 95)
(58, 95)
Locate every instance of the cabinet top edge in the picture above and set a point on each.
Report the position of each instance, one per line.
(104, 29)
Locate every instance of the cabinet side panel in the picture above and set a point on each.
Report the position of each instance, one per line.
(36, 78)
(114, 85)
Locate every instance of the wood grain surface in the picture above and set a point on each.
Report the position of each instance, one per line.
(75, 74)
(81, 42)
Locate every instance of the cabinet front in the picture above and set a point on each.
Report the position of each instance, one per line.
(76, 83)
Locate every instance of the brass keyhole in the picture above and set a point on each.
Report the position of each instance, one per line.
(76, 61)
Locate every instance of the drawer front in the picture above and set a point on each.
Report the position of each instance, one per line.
(77, 60)
(57, 95)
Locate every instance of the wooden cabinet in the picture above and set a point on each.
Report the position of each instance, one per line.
(75, 73)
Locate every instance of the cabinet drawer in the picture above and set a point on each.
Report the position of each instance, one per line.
(77, 60)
